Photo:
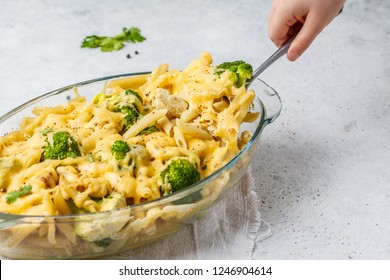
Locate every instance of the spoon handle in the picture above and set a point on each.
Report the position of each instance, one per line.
(275, 56)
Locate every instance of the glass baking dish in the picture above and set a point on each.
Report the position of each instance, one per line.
(54, 237)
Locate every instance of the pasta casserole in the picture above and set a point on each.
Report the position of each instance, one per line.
(137, 140)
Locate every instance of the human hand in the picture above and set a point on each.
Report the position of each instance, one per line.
(310, 16)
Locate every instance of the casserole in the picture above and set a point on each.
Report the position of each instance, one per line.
(53, 237)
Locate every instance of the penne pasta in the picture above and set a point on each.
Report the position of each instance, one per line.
(148, 120)
(193, 130)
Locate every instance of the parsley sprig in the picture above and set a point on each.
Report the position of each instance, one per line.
(115, 43)
(13, 196)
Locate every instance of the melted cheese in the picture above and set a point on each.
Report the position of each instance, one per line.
(201, 122)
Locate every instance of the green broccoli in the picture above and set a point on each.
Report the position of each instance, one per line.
(125, 98)
(62, 146)
(179, 174)
(101, 230)
(119, 149)
(240, 70)
(131, 117)
(128, 102)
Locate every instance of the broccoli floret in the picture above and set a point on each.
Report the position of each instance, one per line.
(240, 70)
(179, 174)
(119, 149)
(131, 117)
(125, 98)
(129, 103)
(62, 146)
(102, 229)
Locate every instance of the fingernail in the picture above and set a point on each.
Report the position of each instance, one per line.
(293, 55)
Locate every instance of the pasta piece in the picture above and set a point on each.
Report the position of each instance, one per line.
(179, 138)
(251, 117)
(132, 82)
(193, 130)
(60, 202)
(68, 231)
(148, 120)
(189, 115)
(166, 124)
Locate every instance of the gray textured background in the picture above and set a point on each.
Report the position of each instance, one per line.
(322, 171)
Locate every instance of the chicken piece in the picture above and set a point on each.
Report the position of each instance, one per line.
(174, 104)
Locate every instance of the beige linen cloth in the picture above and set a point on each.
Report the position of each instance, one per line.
(229, 230)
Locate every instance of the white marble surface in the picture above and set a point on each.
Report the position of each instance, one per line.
(323, 168)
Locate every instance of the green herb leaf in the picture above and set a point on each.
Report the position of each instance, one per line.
(92, 41)
(149, 130)
(132, 34)
(110, 44)
(13, 196)
(115, 43)
(25, 190)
